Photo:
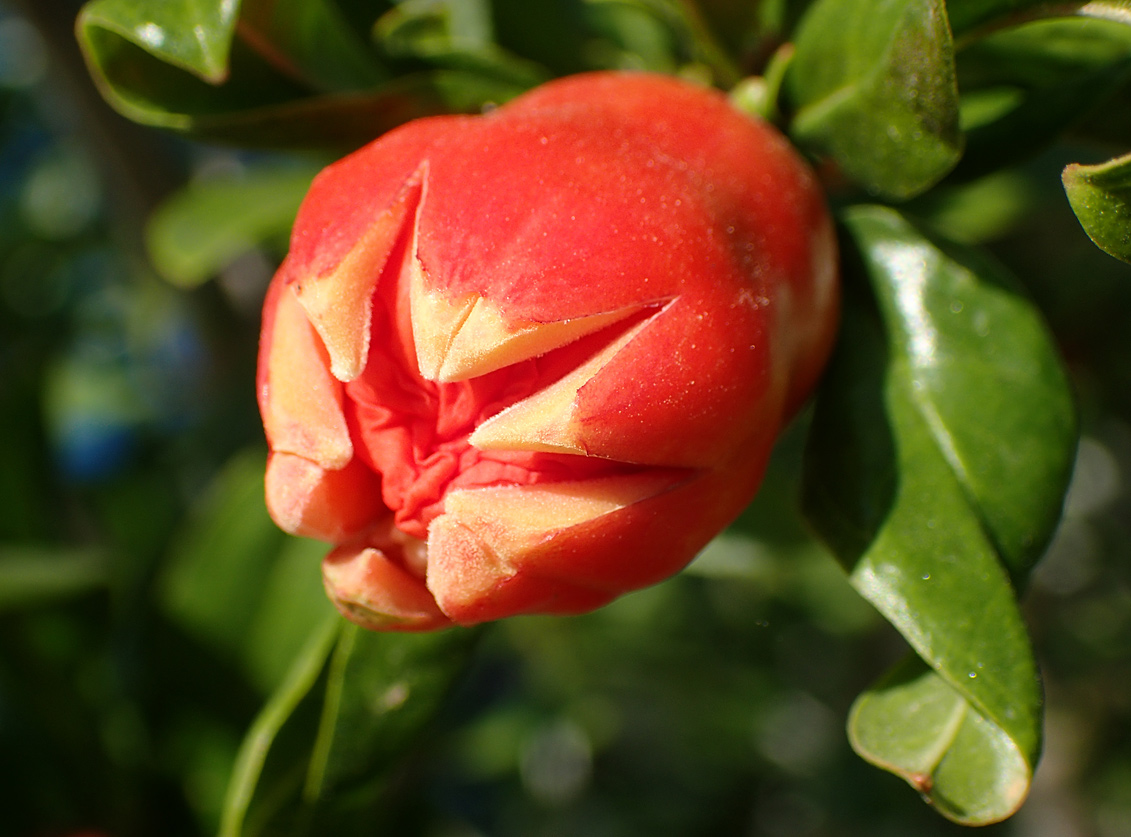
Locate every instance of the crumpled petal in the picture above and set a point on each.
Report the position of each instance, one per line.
(528, 361)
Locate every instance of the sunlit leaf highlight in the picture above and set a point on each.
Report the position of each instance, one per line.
(940, 451)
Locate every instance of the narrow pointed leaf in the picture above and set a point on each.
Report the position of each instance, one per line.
(939, 455)
(1101, 198)
(877, 92)
(270, 763)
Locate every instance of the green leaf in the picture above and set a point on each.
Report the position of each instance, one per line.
(195, 35)
(939, 454)
(877, 92)
(383, 688)
(213, 581)
(199, 230)
(278, 73)
(1025, 86)
(268, 758)
(966, 16)
(36, 575)
(691, 41)
(983, 210)
(293, 603)
(454, 35)
(1101, 198)
(429, 27)
(316, 759)
(239, 585)
(152, 86)
(312, 42)
(337, 122)
(917, 726)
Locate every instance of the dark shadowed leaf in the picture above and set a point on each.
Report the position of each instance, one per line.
(939, 455)
(383, 688)
(237, 584)
(312, 42)
(969, 15)
(877, 92)
(1101, 198)
(454, 35)
(691, 41)
(317, 757)
(285, 82)
(1023, 87)
(35, 575)
(269, 768)
(213, 580)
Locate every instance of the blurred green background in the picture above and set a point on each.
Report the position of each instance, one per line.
(148, 606)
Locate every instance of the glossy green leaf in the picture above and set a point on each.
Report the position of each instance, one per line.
(307, 41)
(939, 454)
(1025, 86)
(149, 85)
(278, 74)
(200, 229)
(916, 725)
(195, 35)
(979, 361)
(1101, 198)
(877, 92)
(316, 759)
(36, 575)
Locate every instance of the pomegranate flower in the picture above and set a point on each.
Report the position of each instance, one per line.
(527, 361)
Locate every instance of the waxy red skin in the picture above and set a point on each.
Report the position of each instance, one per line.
(634, 230)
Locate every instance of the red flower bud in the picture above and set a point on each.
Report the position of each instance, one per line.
(528, 361)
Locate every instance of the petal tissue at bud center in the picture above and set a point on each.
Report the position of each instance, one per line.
(527, 361)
